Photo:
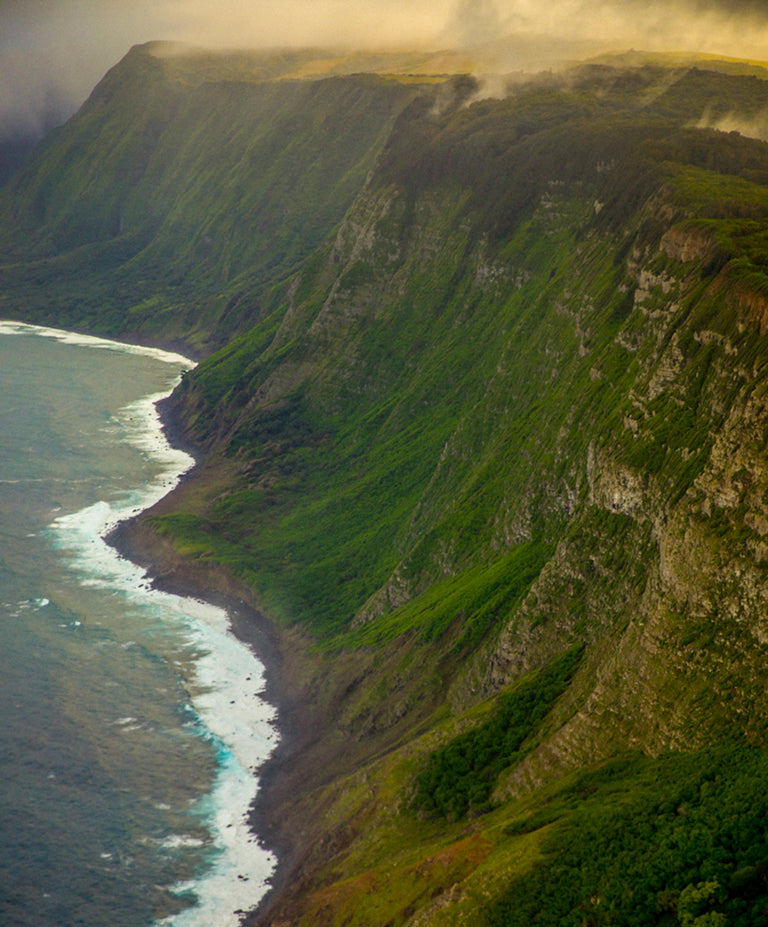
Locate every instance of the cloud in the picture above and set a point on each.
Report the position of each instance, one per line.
(738, 27)
(52, 52)
(756, 127)
(475, 22)
(304, 22)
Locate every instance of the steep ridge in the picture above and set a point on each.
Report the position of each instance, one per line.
(493, 461)
(501, 417)
(179, 194)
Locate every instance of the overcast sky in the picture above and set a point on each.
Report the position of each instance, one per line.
(56, 50)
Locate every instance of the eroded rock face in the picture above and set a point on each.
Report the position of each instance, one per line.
(665, 577)
(641, 572)
(687, 244)
(612, 486)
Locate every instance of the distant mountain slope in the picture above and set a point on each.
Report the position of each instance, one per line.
(170, 203)
(13, 152)
(488, 448)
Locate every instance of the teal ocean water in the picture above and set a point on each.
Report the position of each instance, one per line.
(132, 722)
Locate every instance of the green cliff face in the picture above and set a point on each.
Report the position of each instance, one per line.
(489, 447)
(179, 194)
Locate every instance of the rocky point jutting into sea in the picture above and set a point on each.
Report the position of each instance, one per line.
(480, 420)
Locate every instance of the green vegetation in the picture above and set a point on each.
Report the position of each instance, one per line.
(460, 777)
(676, 840)
(207, 192)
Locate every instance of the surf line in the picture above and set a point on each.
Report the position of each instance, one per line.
(227, 680)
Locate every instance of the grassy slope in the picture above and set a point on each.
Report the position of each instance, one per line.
(205, 191)
(457, 403)
(398, 403)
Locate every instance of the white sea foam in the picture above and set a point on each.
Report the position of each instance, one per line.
(225, 681)
(10, 327)
(241, 874)
(182, 840)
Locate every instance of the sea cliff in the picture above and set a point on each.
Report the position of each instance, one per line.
(481, 427)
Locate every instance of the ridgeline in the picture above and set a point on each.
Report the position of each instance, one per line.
(482, 420)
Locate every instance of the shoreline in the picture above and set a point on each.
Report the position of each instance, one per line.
(167, 571)
(279, 649)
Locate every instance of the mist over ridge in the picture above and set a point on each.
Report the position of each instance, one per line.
(53, 52)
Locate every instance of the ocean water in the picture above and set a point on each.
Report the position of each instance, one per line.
(132, 722)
